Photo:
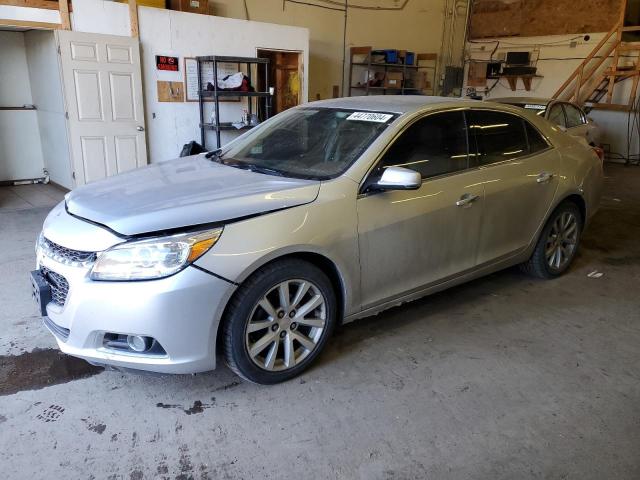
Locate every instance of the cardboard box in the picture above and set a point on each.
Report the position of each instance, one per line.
(393, 80)
(421, 81)
(191, 6)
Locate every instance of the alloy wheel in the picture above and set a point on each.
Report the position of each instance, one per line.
(562, 241)
(286, 325)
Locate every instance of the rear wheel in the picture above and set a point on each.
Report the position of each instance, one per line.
(278, 321)
(558, 243)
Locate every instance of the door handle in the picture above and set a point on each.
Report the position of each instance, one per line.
(140, 128)
(467, 199)
(544, 177)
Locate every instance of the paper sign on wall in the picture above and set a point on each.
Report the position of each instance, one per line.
(166, 63)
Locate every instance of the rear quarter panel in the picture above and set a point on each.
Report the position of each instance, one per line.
(581, 172)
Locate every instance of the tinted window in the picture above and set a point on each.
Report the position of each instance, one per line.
(574, 116)
(498, 136)
(556, 115)
(536, 140)
(434, 145)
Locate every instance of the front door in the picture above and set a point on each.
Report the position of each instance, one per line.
(103, 94)
(519, 171)
(410, 239)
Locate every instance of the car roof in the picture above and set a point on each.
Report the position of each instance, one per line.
(392, 103)
(524, 100)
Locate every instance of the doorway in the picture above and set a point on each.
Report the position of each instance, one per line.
(285, 77)
(33, 137)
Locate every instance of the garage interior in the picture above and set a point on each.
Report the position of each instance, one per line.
(502, 377)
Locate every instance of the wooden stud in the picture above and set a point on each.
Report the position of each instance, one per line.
(616, 53)
(133, 15)
(610, 106)
(33, 25)
(634, 87)
(45, 4)
(65, 19)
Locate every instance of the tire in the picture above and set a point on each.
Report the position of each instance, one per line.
(540, 264)
(256, 320)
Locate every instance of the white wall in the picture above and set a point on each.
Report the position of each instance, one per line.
(20, 149)
(29, 14)
(46, 90)
(557, 61)
(170, 125)
(167, 32)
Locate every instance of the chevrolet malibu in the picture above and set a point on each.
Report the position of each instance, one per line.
(326, 213)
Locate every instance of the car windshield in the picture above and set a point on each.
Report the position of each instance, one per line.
(317, 143)
(538, 108)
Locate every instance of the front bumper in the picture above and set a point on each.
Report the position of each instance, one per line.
(181, 312)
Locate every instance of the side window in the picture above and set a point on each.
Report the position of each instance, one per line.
(575, 117)
(498, 136)
(537, 142)
(435, 145)
(556, 115)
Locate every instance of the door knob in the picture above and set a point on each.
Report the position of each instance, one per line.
(140, 128)
(544, 177)
(467, 199)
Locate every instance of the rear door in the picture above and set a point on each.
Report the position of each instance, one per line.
(409, 239)
(519, 172)
(103, 93)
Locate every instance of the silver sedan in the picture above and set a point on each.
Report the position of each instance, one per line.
(326, 213)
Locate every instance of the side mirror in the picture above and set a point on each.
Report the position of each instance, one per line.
(562, 128)
(399, 178)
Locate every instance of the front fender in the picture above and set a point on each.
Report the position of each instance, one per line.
(326, 227)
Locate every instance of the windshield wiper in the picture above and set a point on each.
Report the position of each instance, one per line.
(267, 171)
(251, 167)
(214, 155)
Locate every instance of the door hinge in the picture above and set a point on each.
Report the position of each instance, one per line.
(59, 52)
(66, 115)
(73, 175)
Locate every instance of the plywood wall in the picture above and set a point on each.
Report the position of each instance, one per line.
(528, 18)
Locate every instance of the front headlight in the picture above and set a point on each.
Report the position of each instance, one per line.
(153, 258)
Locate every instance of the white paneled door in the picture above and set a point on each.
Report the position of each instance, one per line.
(103, 93)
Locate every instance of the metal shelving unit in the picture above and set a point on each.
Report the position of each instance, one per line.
(217, 126)
(385, 67)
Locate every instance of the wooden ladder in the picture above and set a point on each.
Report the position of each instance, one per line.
(592, 83)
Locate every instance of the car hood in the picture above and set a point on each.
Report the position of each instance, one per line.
(182, 193)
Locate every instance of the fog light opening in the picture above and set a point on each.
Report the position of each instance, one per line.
(138, 343)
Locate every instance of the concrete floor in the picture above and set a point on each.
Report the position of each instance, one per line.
(505, 377)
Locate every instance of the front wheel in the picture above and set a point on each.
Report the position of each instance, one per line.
(558, 243)
(278, 321)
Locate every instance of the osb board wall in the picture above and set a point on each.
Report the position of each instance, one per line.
(506, 18)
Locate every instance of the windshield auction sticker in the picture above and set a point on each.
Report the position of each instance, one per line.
(370, 117)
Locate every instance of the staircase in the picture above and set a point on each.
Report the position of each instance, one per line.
(592, 84)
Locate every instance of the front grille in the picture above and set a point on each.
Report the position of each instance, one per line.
(60, 332)
(66, 255)
(59, 286)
